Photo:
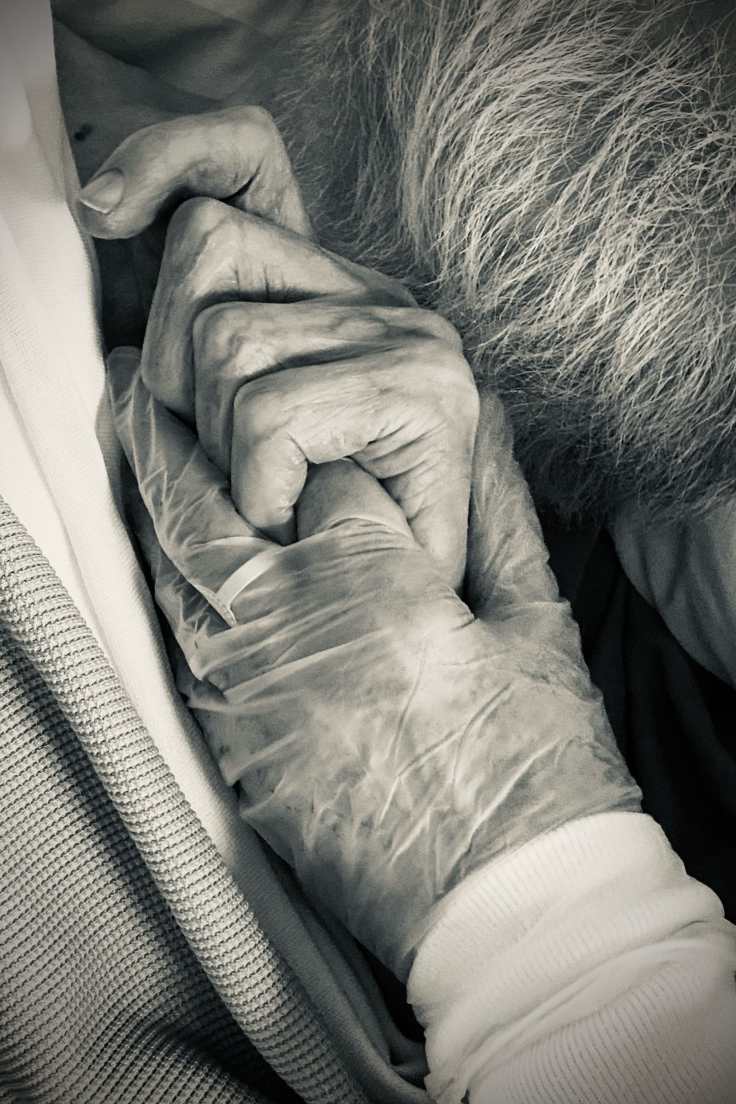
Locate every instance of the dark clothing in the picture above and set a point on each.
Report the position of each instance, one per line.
(673, 720)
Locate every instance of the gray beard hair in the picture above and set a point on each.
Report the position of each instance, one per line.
(558, 180)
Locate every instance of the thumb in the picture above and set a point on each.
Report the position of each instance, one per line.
(235, 154)
(342, 491)
(507, 568)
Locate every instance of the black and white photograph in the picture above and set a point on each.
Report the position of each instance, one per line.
(367, 552)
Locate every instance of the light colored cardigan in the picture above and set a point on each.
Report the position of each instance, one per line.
(131, 967)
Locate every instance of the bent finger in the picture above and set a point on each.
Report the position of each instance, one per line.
(196, 523)
(314, 414)
(214, 254)
(234, 154)
(298, 416)
(238, 342)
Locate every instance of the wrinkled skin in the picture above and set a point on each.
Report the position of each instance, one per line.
(282, 354)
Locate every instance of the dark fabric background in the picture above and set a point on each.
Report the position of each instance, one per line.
(673, 720)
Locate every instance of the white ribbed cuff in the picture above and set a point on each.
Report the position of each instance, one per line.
(551, 934)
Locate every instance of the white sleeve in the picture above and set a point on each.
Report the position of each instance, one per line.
(584, 968)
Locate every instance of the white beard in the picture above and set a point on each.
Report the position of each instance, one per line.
(558, 180)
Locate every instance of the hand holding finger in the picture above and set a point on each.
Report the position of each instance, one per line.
(282, 387)
(234, 155)
(214, 253)
(365, 696)
(198, 532)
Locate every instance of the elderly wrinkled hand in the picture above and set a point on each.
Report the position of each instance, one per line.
(281, 354)
(387, 741)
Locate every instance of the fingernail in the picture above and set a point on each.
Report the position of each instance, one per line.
(103, 193)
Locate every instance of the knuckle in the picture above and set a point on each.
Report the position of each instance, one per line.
(399, 292)
(211, 333)
(425, 326)
(393, 292)
(219, 332)
(256, 128)
(199, 236)
(463, 403)
(260, 244)
(371, 324)
(197, 219)
(440, 328)
(257, 236)
(450, 391)
(257, 409)
(383, 290)
(255, 117)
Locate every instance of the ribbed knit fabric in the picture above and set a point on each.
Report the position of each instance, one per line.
(103, 996)
(586, 967)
